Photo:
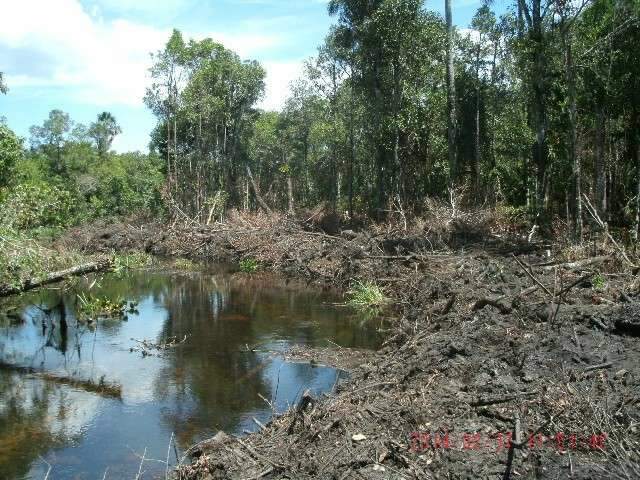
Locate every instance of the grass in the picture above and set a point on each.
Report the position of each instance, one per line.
(129, 261)
(249, 265)
(366, 296)
(184, 264)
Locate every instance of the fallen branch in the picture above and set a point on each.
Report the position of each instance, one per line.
(594, 213)
(530, 275)
(575, 265)
(53, 277)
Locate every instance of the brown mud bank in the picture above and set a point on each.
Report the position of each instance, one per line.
(495, 365)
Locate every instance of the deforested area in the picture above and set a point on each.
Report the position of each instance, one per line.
(384, 239)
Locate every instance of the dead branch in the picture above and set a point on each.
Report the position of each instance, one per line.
(601, 224)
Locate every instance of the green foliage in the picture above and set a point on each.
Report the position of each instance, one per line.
(11, 152)
(35, 205)
(249, 265)
(184, 264)
(131, 261)
(22, 258)
(103, 131)
(91, 308)
(599, 282)
(366, 295)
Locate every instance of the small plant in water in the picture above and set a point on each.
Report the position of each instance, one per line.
(91, 308)
(599, 282)
(366, 295)
(249, 265)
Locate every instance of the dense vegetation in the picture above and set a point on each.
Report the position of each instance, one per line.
(530, 109)
(68, 175)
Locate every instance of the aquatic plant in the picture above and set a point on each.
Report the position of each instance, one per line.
(366, 295)
(91, 308)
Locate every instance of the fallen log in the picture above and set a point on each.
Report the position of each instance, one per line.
(53, 277)
(588, 262)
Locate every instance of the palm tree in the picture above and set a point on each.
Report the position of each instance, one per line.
(103, 131)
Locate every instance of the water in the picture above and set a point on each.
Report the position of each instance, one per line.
(81, 402)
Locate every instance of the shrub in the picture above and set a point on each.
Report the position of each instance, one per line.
(35, 205)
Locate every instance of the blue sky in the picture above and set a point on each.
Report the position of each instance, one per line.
(87, 56)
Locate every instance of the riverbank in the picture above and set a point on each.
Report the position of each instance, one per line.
(494, 366)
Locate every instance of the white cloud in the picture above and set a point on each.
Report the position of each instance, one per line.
(102, 62)
(279, 77)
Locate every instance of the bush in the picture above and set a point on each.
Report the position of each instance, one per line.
(22, 258)
(35, 205)
(10, 152)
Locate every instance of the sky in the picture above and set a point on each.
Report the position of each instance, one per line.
(89, 56)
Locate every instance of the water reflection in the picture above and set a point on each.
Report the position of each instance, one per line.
(78, 397)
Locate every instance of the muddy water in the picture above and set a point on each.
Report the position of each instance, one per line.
(83, 401)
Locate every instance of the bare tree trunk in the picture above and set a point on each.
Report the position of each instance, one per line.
(572, 135)
(290, 195)
(636, 226)
(476, 138)
(600, 179)
(451, 97)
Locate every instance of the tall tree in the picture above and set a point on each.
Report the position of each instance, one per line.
(51, 136)
(451, 95)
(103, 131)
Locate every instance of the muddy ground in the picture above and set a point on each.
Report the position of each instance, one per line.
(493, 366)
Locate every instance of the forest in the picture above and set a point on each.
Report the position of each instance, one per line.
(529, 110)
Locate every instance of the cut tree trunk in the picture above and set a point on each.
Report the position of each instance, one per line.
(53, 277)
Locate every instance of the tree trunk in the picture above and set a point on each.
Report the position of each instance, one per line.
(256, 191)
(571, 143)
(600, 180)
(291, 210)
(476, 137)
(451, 97)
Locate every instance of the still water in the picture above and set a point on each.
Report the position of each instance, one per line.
(82, 402)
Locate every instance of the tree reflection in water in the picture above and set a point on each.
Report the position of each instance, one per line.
(214, 381)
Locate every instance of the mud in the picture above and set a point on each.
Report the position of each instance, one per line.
(487, 371)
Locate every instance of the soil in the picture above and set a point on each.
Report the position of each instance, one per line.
(493, 367)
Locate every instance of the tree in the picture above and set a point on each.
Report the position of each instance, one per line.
(11, 152)
(3, 85)
(204, 97)
(52, 135)
(451, 95)
(103, 131)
